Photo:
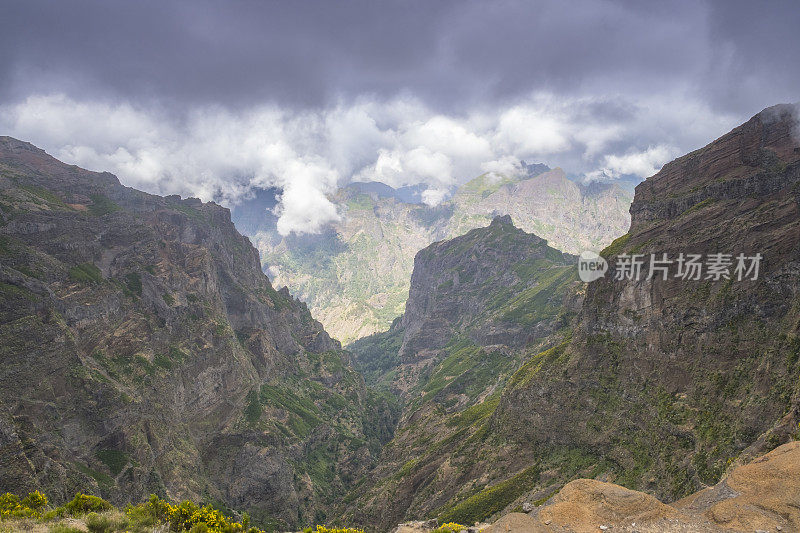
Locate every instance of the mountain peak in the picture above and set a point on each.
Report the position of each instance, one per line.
(502, 220)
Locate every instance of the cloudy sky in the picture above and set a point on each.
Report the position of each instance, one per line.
(212, 99)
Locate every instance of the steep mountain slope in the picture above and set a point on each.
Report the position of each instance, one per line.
(479, 305)
(678, 377)
(144, 351)
(355, 276)
(656, 384)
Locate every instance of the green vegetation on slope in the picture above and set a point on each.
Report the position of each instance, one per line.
(491, 500)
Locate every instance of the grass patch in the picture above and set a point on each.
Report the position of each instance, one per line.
(253, 410)
(527, 371)
(475, 413)
(103, 479)
(492, 500)
(102, 205)
(115, 460)
(44, 194)
(85, 273)
(133, 282)
(616, 246)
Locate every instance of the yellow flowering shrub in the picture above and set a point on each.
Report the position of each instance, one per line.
(182, 517)
(30, 506)
(323, 529)
(35, 500)
(449, 527)
(185, 516)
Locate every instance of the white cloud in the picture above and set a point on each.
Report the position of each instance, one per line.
(433, 197)
(505, 166)
(527, 130)
(303, 206)
(448, 137)
(642, 164)
(430, 166)
(215, 153)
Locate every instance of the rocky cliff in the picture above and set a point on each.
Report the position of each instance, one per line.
(143, 350)
(668, 380)
(763, 495)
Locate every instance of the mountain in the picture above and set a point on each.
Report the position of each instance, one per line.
(479, 306)
(355, 274)
(144, 351)
(679, 377)
(655, 383)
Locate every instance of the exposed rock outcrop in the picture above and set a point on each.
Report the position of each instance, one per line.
(761, 496)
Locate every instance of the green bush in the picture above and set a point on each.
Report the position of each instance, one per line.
(133, 281)
(151, 513)
(86, 503)
(202, 527)
(52, 514)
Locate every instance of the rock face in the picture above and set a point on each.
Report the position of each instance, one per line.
(355, 276)
(144, 351)
(467, 283)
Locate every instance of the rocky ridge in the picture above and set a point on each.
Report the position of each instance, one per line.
(479, 306)
(144, 351)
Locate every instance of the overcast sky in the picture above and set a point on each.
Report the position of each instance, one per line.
(211, 99)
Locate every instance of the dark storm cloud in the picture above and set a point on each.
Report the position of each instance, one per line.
(240, 53)
(448, 53)
(214, 99)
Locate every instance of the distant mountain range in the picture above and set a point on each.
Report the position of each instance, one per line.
(355, 275)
